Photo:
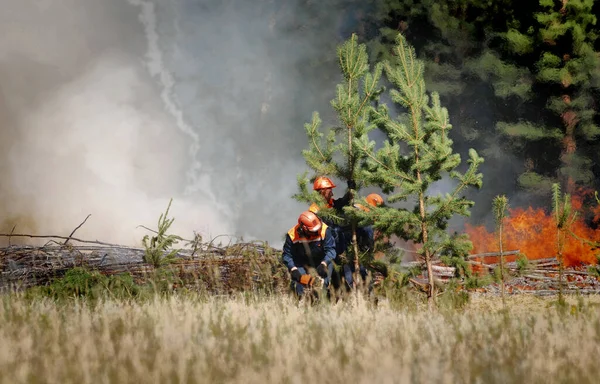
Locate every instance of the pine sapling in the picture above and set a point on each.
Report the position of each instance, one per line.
(564, 218)
(500, 204)
(157, 247)
(338, 154)
(409, 174)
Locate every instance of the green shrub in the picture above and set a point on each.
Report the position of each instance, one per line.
(453, 297)
(158, 248)
(522, 264)
(476, 281)
(89, 285)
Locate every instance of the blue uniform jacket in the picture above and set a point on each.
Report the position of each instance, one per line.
(365, 238)
(299, 250)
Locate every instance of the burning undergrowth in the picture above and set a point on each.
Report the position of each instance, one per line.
(533, 231)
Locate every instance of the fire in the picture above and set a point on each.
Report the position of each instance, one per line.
(534, 233)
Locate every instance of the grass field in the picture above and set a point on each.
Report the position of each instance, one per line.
(184, 339)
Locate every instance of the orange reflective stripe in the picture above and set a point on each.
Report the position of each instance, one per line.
(294, 233)
(323, 230)
(314, 208)
(296, 238)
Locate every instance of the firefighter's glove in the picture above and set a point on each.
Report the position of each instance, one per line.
(307, 280)
(296, 275)
(351, 184)
(322, 270)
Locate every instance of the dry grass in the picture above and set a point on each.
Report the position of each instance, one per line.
(276, 340)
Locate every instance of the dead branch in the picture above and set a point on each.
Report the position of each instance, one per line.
(11, 232)
(76, 228)
(59, 237)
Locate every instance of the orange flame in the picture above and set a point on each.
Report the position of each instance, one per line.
(534, 233)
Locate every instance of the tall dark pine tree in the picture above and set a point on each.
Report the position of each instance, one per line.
(409, 174)
(448, 35)
(560, 72)
(571, 63)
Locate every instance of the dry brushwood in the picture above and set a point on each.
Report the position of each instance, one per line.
(221, 270)
(542, 278)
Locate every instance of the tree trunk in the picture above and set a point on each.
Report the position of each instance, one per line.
(501, 264)
(431, 290)
(428, 256)
(560, 266)
(356, 263)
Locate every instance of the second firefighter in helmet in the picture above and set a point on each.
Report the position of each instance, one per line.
(364, 237)
(309, 243)
(324, 186)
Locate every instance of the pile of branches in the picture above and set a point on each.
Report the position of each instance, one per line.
(219, 270)
(541, 277)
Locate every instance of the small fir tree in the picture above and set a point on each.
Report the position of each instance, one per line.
(564, 218)
(158, 248)
(337, 154)
(423, 129)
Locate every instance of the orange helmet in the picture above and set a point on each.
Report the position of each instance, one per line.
(310, 221)
(323, 182)
(374, 199)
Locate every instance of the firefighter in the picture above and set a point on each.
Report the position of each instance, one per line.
(309, 243)
(325, 186)
(365, 238)
(366, 235)
(375, 200)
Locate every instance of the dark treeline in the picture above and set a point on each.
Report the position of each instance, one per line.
(521, 81)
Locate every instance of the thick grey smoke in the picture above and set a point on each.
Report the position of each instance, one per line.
(113, 107)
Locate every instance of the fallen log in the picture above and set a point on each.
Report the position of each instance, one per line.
(480, 263)
(565, 271)
(539, 277)
(550, 260)
(553, 292)
(493, 254)
(438, 270)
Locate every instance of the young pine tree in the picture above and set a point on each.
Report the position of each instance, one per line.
(499, 205)
(338, 155)
(409, 173)
(564, 218)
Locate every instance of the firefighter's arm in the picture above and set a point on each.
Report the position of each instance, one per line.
(286, 257)
(345, 200)
(329, 247)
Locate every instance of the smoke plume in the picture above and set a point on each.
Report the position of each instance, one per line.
(113, 107)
